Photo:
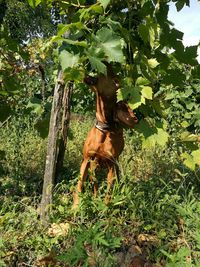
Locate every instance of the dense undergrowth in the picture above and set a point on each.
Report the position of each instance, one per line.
(154, 210)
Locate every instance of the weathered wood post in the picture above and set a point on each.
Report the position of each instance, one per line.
(52, 148)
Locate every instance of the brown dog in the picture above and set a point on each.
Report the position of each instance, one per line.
(105, 141)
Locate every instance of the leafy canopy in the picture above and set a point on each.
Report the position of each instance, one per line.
(158, 74)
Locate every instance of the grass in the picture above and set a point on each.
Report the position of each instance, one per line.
(155, 206)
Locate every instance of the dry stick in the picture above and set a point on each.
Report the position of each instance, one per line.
(4, 122)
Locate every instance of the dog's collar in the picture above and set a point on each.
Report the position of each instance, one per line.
(102, 126)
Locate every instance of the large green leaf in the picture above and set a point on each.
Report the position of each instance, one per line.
(160, 138)
(188, 160)
(148, 31)
(96, 56)
(135, 95)
(97, 64)
(147, 92)
(11, 83)
(104, 3)
(136, 98)
(111, 44)
(68, 60)
(190, 55)
(152, 133)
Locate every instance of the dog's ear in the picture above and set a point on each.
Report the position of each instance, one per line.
(89, 80)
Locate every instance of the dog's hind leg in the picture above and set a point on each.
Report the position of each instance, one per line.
(83, 176)
(93, 180)
(110, 181)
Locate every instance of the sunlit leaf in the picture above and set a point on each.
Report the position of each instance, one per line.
(184, 124)
(136, 99)
(153, 133)
(151, 36)
(147, 92)
(34, 3)
(97, 64)
(159, 138)
(196, 156)
(142, 81)
(96, 8)
(111, 44)
(188, 160)
(104, 3)
(68, 60)
(153, 63)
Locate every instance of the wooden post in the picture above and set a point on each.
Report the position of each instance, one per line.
(52, 148)
(66, 108)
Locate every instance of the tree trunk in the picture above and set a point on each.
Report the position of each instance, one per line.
(66, 104)
(52, 148)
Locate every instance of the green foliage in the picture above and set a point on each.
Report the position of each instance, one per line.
(140, 50)
(139, 47)
(191, 160)
(110, 44)
(34, 3)
(18, 157)
(25, 23)
(157, 196)
(68, 60)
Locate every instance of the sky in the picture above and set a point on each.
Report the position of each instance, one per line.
(187, 21)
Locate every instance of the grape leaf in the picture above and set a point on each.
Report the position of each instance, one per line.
(104, 3)
(147, 92)
(136, 98)
(153, 63)
(142, 81)
(188, 161)
(97, 64)
(196, 156)
(68, 60)
(111, 44)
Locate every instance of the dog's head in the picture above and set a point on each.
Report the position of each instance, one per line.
(124, 115)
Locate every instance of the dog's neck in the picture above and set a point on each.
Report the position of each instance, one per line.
(105, 108)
